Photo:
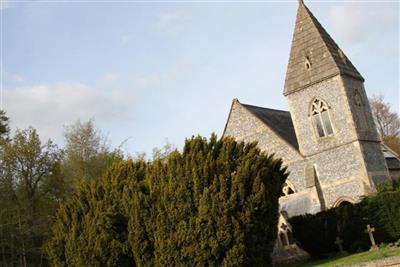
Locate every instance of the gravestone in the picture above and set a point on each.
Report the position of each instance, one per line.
(370, 231)
(339, 242)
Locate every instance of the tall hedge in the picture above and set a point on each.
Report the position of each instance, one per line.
(317, 233)
(91, 229)
(215, 204)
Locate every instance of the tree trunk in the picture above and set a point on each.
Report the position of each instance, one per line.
(3, 254)
(23, 255)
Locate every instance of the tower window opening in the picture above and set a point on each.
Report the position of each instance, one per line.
(320, 115)
(307, 63)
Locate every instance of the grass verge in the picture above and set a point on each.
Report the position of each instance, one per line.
(383, 252)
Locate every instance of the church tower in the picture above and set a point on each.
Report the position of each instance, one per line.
(331, 115)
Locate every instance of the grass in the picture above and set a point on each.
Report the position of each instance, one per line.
(383, 252)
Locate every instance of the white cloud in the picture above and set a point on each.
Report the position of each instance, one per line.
(109, 78)
(4, 4)
(171, 22)
(11, 77)
(149, 81)
(49, 108)
(125, 39)
(357, 22)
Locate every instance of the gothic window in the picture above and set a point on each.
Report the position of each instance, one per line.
(290, 237)
(282, 238)
(360, 106)
(320, 116)
(287, 189)
(285, 235)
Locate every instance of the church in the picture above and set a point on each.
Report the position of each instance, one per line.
(327, 139)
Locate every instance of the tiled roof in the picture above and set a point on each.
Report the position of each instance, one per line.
(279, 121)
(313, 46)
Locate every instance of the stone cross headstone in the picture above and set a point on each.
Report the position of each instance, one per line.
(339, 242)
(284, 227)
(370, 231)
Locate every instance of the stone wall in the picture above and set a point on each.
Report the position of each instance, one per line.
(244, 126)
(334, 95)
(375, 162)
(352, 88)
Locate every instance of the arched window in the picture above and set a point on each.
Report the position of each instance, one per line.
(290, 237)
(285, 235)
(283, 239)
(320, 116)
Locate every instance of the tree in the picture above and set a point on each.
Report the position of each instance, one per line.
(386, 120)
(90, 228)
(87, 153)
(393, 142)
(4, 128)
(28, 166)
(215, 203)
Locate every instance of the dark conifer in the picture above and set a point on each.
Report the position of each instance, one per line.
(214, 204)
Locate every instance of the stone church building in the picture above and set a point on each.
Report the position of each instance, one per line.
(327, 139)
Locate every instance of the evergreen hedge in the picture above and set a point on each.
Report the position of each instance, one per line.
(317, 233)
(214, 204)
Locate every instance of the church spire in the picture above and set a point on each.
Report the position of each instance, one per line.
(314, 55)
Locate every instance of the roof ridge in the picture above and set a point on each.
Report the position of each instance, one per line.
(279, 121)
(281, 110)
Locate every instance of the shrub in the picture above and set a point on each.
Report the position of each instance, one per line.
(214, 204)
(91, 229)
(349, 223)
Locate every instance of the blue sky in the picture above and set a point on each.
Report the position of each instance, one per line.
(153, 72)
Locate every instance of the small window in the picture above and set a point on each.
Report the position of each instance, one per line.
(320, 115)
(307, 63)
(287, 189)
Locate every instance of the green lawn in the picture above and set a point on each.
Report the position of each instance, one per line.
(383, 252)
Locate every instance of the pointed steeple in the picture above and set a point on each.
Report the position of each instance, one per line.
(314, 55)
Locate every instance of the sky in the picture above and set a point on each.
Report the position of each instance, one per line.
(149, 73)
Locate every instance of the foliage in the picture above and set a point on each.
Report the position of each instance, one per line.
(349, 222)
(87, 154)
(27, 169)
(393, 142)
(4, 128)
(90, 228)
(387, 121)
(216, 203)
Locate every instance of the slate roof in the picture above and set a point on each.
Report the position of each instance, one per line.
(393, 163)
(279, 121)
(312, 43)
(392, 160)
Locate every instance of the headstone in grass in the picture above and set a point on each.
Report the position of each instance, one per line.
(339, 242)
(370, 231)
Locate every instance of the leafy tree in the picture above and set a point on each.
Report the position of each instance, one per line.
(386, 120)
(216, 203)
(87, 153)
(4, 128)
(393, 142)
(27, 167)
